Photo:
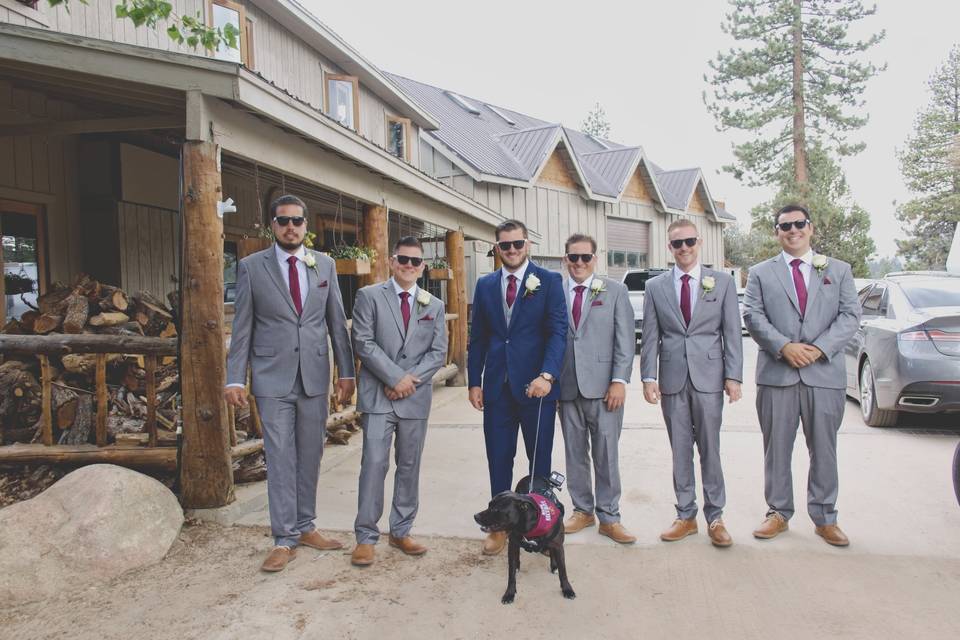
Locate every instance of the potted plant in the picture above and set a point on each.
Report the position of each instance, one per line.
(353, 260)
(439, 270)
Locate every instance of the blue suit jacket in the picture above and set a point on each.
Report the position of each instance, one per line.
(534, 341)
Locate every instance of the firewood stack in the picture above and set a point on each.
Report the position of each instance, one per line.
(89, 306)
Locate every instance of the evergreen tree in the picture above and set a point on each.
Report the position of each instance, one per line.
(596, 123)
(930, 164)
(792, 82)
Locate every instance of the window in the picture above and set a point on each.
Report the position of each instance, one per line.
(221, 13)
(230, 259)
(875, 303)
(341, 100)
(24, 265)
(30, 3)
(398, 137)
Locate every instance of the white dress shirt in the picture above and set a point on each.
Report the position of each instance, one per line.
(504, 274)
(694, 274)
(805, 267)
(301, 270)
(412, 291)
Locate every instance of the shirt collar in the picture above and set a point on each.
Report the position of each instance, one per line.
(807, 257)
(693, 273)
(283, 255)
(519, 272)
(398, 289)
(573, 284)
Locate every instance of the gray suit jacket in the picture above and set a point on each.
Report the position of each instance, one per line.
(772, 314)
(602, 348)
(710, 350)
(386, 354)
(276, 342)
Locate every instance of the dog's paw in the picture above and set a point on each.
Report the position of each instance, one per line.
(569, 594)
(507, 598)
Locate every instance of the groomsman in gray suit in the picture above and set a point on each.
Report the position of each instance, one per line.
(288, 302)
(691, 325)
(802, 310)
(596, 369)
(400, 336)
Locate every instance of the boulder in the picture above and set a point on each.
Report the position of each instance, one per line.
(94, 524)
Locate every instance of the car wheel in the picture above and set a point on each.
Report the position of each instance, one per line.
(872, 415)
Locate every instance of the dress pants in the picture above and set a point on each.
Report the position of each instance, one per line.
(590, 431)
(503, 416)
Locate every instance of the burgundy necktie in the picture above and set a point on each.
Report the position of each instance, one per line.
(799, 284)
(405, 309)
(295, 284)
(685, 298)
(511, 290)
(577, 304)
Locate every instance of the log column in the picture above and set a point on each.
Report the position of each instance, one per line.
(377, 235)
(206, 476)
(457, 303)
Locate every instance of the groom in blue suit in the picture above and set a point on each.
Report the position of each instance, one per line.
(517, 340)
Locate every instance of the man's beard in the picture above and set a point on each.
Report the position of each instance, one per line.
(289, 246)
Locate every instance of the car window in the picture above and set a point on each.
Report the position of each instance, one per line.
(933, 292)
(637, 280)
(875, 303)
(863, 293)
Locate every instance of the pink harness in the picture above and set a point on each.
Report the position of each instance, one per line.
(547, 516)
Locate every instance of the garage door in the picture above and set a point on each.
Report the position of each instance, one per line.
(628, 245)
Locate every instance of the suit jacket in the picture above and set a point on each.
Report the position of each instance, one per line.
(387, 353)
(603, 346)
(531, 344)
(709, 350)
(772, 314)
(276, 342)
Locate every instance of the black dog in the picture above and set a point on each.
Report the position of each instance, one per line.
(523, 516)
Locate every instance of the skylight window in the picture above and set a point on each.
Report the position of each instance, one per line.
(507, 118)
(463, 102)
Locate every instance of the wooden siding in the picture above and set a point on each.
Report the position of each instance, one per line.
(696, 202)
(636, 187)
(149, 248)
(558, 171)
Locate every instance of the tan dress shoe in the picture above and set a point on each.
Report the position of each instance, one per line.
(718, 534)
(318, 541)
(679, 530)
(833, 535)
(774, 525)
(617, 532)
(362, 555)
(277, 559)
(494, 543)
(408, 545)
(578, 521)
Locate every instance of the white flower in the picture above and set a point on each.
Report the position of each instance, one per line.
(596, 288)
(819, 263)
(309, 260)
(532, 284)
(708, 283)
(423, 298)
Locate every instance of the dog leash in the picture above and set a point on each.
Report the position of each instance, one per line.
(536, 442)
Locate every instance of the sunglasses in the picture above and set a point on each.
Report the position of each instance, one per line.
(285, 220)
(409, 259)
(574, 257)
(799, 224)
(676, 244)
(516, 244)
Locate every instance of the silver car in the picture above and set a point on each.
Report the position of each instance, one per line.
(905, 357)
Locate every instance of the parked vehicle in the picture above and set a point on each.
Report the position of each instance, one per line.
(905, 357)
(741, 295)
(636, 282)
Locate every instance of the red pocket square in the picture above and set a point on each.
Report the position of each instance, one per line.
(427, 318)
(827, 281)
(322, 284)
(597, 303)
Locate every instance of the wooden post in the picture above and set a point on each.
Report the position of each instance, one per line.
(46, 433)
(497, 262)
(207, 476)
(102, 397)
(376, 234)
(151, 372)
(457, 303)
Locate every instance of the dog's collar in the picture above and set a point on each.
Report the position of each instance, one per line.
(548, 515)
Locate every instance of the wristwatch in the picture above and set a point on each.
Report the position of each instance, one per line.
(547, 376)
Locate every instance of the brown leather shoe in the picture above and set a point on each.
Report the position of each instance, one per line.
(774, 525)
(278, 558)
(408, 545)
(494, 543)
(679, 530)
(833, 535)
(718, 534)
(362, 555)
(579, 521)
(617, 532)
(318, 541)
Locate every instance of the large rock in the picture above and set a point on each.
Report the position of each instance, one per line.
(92, 525)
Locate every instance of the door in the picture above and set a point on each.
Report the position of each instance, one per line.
(24, 262)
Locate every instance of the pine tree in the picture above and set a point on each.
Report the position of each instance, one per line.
(596, 123)
(794, 81)
(930, 164)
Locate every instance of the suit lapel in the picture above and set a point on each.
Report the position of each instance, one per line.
(671, 293)
(569, 298)
(497, 292)
(273, 270)
(414, 319)
(782, 271)
(518, 304)
(700, 296)
(311, 284)
(588, 304)
(393, 303)
(813, 288)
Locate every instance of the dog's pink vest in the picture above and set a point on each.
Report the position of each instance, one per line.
(548, 516)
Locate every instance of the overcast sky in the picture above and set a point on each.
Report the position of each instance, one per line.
(644, 62)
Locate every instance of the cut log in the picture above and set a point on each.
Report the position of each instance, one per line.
(76, 314)
(66, 344)
(113, 299)
(78, 455)
(79, 432)
(20, 394)
(109, 319)
(46, 323)
(85, 363)
(86, 286)
(64, 407)
(54, 301)
(13, 327)
(26, 320)
(125, 329)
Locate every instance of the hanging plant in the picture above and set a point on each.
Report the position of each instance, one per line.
(439, 269)
(15, 283)
(353, 259)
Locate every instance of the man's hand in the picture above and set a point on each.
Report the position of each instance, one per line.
(476, 397)
(236, 396)
(345, 389)
(799, 355)
(733, 390)
(538, 387)
(651, 392)
(407, 385)
(616, 393)
(390, 393)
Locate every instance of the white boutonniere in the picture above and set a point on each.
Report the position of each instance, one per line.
(596, 288)
(708, 283)
(532, 285)
(423, 298)
(311, 262)
(819, 263)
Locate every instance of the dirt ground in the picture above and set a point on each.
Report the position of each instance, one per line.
(209, 587)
